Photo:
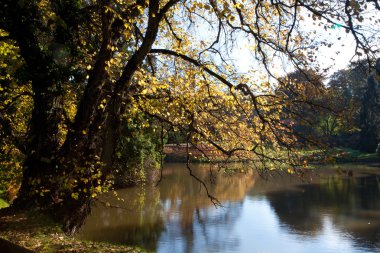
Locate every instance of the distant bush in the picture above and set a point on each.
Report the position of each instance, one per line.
(139, 153)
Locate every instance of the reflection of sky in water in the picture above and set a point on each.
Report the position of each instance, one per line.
(269, 236)
(254, 228)
(209, 232)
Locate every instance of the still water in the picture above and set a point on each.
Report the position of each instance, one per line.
(325, 212)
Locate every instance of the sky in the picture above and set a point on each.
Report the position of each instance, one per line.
(327, 57)
(336, 57)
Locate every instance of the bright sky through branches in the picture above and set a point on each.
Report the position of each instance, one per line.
(331, 58)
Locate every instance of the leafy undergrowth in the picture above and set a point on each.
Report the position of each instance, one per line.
(37, 232)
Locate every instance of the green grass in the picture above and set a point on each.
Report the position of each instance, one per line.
(3, 203)
(39, 233)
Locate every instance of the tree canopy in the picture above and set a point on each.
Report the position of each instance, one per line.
(82, 69)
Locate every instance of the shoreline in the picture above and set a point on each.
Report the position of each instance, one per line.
(32, 231)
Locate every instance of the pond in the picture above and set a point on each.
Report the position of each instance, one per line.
(333, 210)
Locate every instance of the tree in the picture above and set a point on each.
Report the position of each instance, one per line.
(347, 87)
(350, 82)
(91, 63)
(369, 114)
(303, 92)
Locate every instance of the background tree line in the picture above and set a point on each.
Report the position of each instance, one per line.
(343, 109)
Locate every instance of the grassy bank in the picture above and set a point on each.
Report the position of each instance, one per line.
(38, 233)
(340, 155)
(178, 153)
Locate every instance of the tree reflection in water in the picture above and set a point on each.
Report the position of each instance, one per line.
(179, 201)
(177, 216)
(137, 222)
(351, 204)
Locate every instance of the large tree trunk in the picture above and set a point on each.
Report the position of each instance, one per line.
(72, 213)
(41, 144)
(55, 177)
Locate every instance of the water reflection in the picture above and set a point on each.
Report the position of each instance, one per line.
(179, 206)
(352, 205)
(331, 212)
(137, 222)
